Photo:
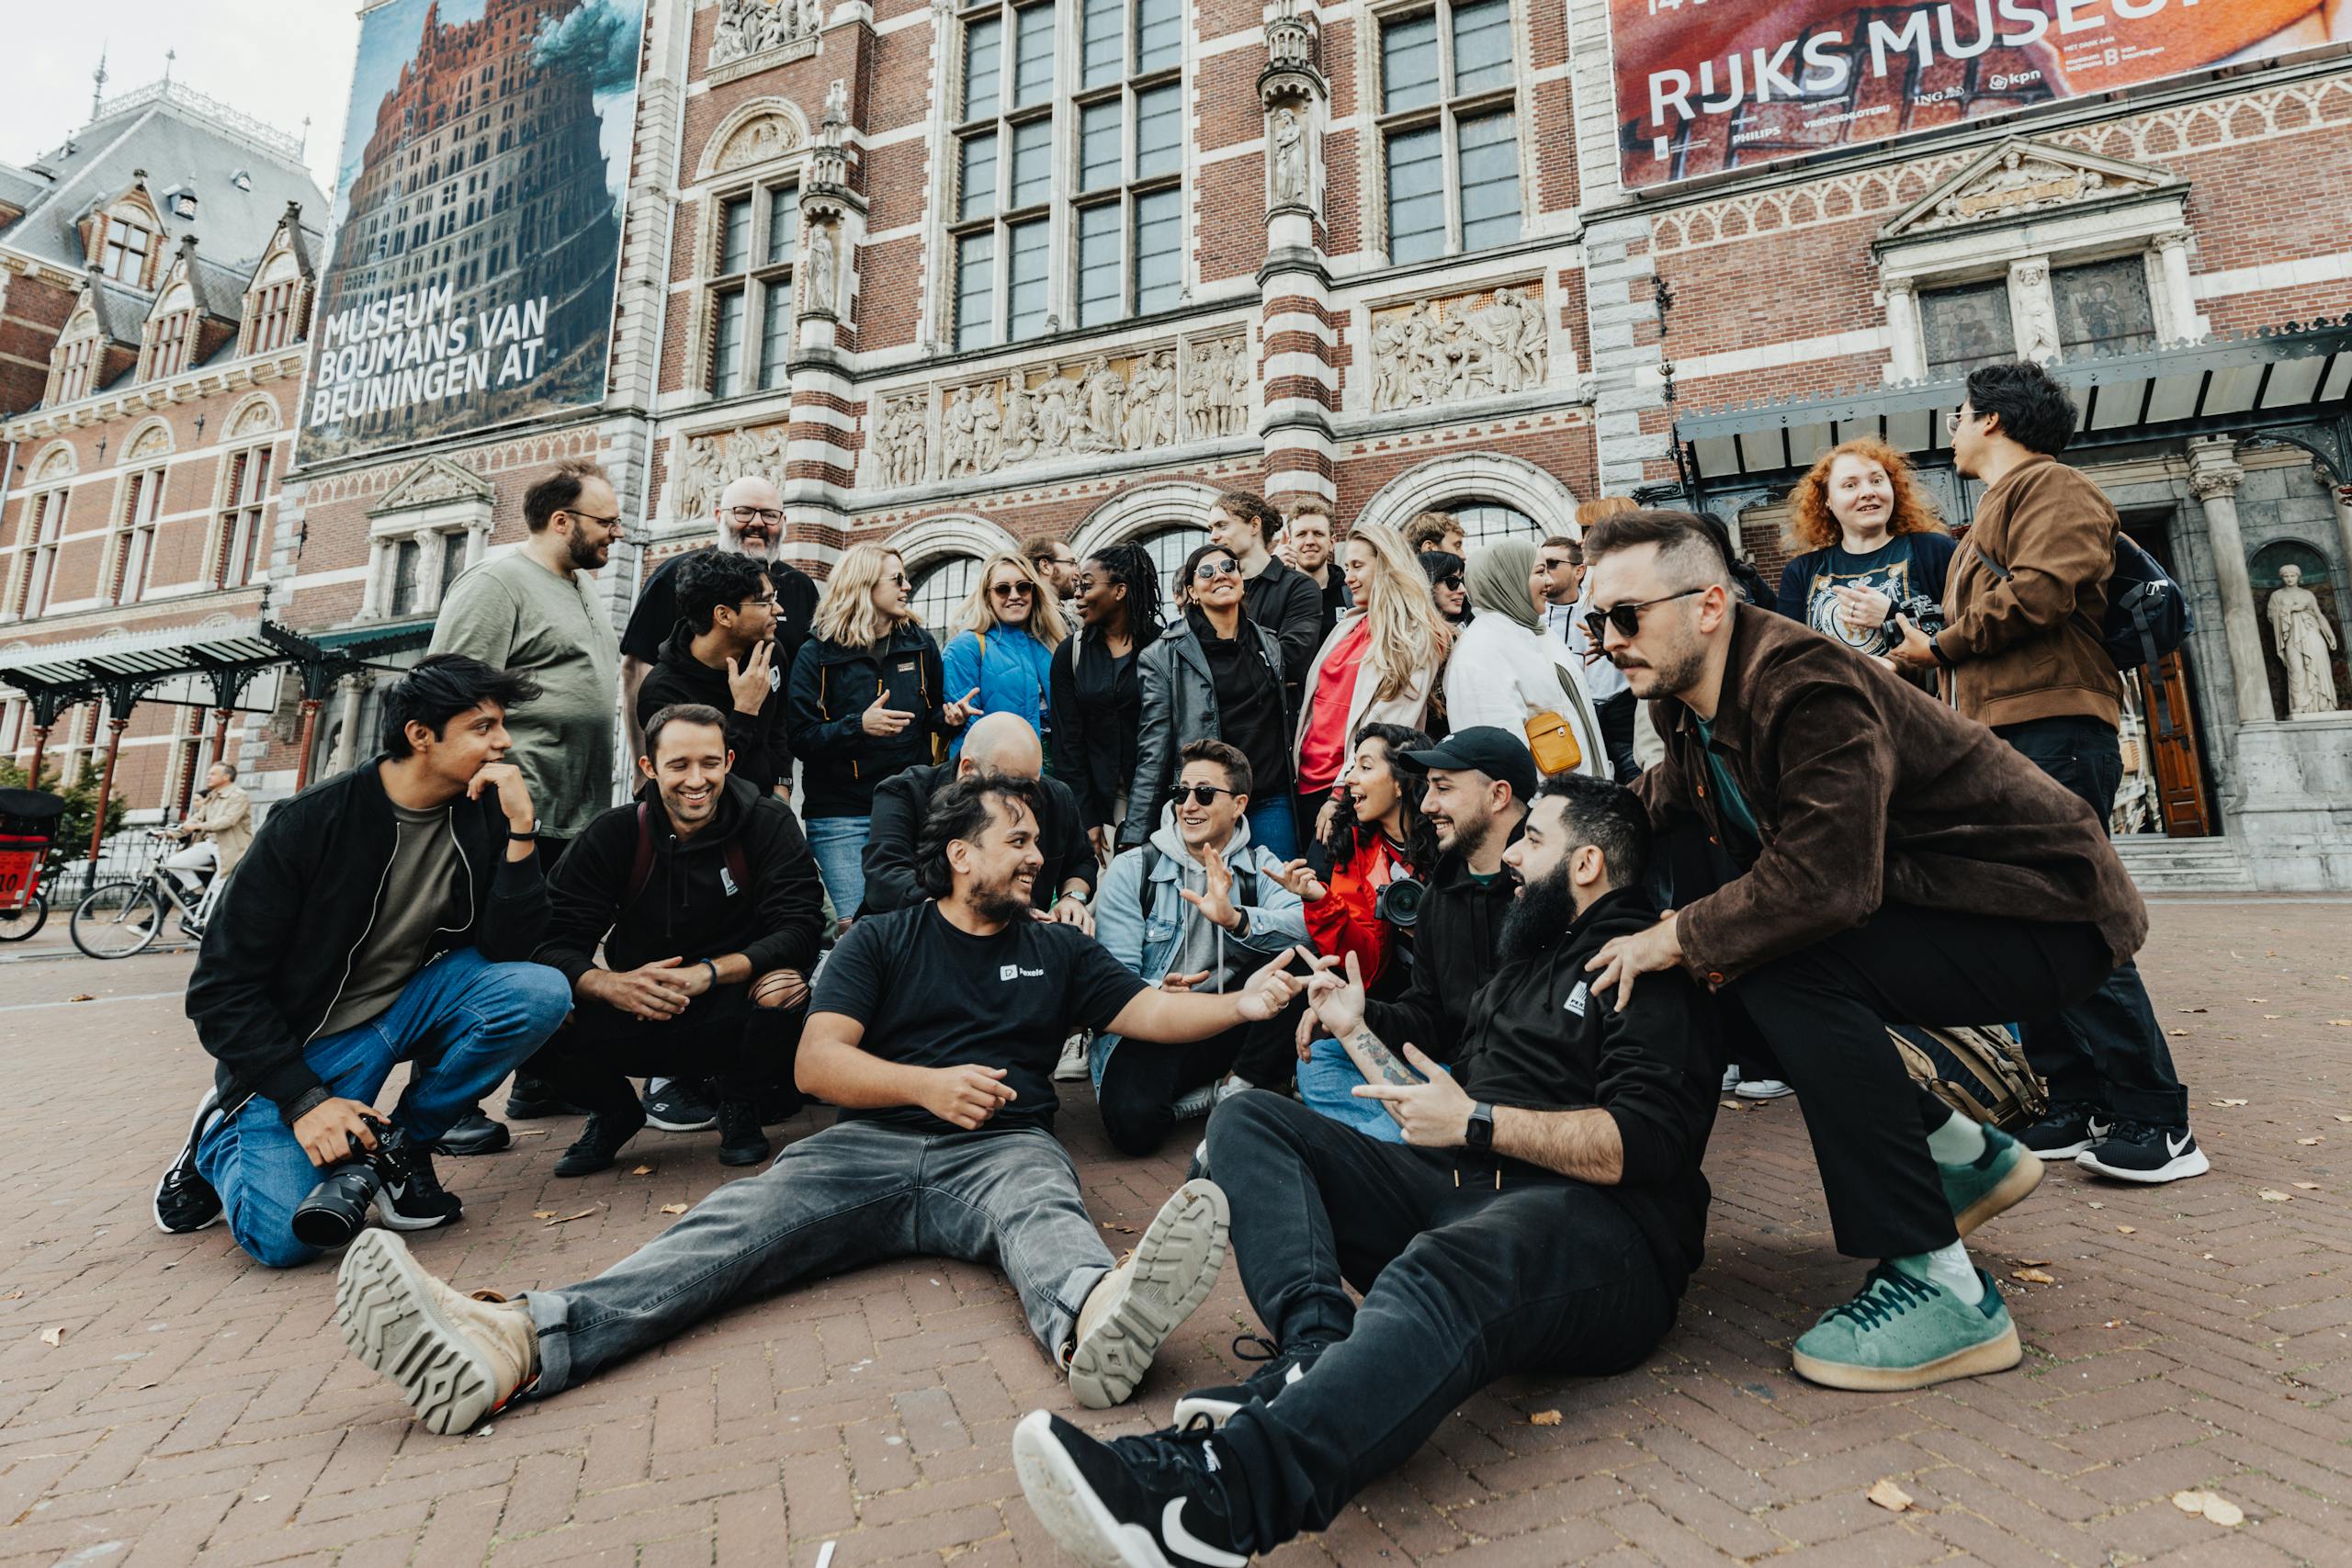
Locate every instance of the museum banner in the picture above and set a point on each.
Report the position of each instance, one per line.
(477, 221)
(1705, 85)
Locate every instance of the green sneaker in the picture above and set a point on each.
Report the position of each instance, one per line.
(1998, 1179)
(1902, 1333)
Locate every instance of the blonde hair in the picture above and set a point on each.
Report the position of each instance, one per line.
(846, 614)
(1045, 622)
(1408, 635)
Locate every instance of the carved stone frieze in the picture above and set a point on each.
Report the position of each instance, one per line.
(1466, 345)
(751, 28)
(2024, 181)
(756, 142)
(703, 465)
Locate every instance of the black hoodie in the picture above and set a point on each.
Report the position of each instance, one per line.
(831, 687)
(1453, 955)
(689, 907)
(1540, 1040)
(763, 749)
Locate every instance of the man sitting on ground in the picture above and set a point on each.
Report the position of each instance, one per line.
(1897, 863)
(384, 916)
(722, 656)
(706, 899)
(1197, 908)
(935, 1030)
(1002, 743)
(1544, 1215)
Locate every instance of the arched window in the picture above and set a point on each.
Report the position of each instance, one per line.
(1167, 548)
(128, 244)
(1483, 522)
(940, 585)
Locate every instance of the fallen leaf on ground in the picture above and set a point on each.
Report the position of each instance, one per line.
(13, 1296)
(2272, 1195)
(2033, 1277)
(2307, 1143)
(2128, 1230)
(1545, 1418)
(2222, 1511)
(2344, 1118)
(2189, 1501)
(1122, 1230)
(2098, 1205)
(647, 1170)
(2226, 1102)
(543, 1213)
(2257, 998)
(2340, 1022)
(2033, 1262)
(53, 1338)
(80, 997)
(2188, 1010)
(2306, 1186)
(673, 1208)
(1888, 1495)
(569, 1218)
(1730, 1104)
(532, 1132)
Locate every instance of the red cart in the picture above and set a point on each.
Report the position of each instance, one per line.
(28, 828)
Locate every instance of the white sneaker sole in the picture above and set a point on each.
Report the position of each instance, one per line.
(1197, 1407)
(1763, 1088)
(1072, 1067)
(2193, 1163)
(1996, 1355)
(1077, 1519)
(204, 1109)
(1175, 1268)
(389, 1322)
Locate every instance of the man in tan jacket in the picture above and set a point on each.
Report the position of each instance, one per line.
(218, 827)
(2022, 653)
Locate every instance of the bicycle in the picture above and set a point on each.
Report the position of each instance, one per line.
(120, 919)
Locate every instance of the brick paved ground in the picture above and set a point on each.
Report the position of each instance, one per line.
(199, 1408)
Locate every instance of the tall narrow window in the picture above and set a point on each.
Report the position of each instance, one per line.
(135, 547)
(48, 527)
(405, 557)
(1130, 249)
(169, 356)
(1004, 173)
(758, 236)
(76, 364)
(243, 555)
(127, 246)
(1449, 131)
(453, 559)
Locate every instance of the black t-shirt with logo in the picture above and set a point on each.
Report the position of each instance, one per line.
(933, 995)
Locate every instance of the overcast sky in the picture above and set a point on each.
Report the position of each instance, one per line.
(275, 60)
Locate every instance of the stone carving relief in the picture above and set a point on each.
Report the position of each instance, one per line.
(2024, 183)
(898, 439)
(256, 416)
(2306, 645)
(151, 442)
(1469, 345)
(703, 465)
(2035, 309)
(1289, 159)
(823, 268)
(1217, 389)
(757, 141)
(747, 28)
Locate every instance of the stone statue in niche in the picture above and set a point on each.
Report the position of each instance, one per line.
(1216, 389)
(1290, 158)
(987, 432)
(822, 259)
(2306, 644)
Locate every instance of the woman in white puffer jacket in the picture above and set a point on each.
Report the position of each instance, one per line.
(1504, 669)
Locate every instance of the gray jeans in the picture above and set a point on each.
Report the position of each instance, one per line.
(855, 1193)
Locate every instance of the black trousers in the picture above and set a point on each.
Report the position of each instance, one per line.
(1616, 716)
(1463, 1282)
(1824, 1009)
(1143, 1079)
(2107, 1051)
(720, 1035)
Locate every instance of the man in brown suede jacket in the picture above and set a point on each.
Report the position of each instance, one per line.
(1894, 863)
(2020, 651)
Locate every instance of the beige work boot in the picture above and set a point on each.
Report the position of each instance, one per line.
(456, 1357)
(1134, 1308)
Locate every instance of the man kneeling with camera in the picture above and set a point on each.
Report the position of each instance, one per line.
(384, 916)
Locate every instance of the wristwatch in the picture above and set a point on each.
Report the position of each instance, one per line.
(531, 832)
(1480, 1134)
(1077, 893)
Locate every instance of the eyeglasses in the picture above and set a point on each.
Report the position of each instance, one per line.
(1201, 794)
(1010, 590)
(768, 599)
(1627, 618)
(757, 513)
(1959, 417)
(899, 578)
(611, 521)
(1210, 570)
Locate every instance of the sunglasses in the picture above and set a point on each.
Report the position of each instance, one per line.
(1210, 570)
(1453, 581)
(1010, 590)
(1627, 618)
(1201, 794)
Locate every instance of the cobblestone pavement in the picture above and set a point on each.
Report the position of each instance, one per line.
(197, 1407)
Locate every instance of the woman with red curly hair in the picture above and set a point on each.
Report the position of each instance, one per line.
(1875, 549)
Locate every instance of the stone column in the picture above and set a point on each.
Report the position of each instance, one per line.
(2341, 488)
(2213, 477)
(819, 468)
(1907, 360)
(346, 742)
(2177, 312)
(428, 566)
(1301, 384)
(380, 581)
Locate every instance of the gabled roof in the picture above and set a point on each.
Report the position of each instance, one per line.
(219, 291)
(122, 312)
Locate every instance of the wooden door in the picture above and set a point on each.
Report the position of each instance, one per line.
(2180, 772)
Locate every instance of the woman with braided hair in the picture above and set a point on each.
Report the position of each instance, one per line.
(1097, 705)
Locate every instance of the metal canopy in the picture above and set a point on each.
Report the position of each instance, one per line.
(2221, 382)
(227, 659)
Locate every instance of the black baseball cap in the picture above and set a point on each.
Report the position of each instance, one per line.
(1483, 748)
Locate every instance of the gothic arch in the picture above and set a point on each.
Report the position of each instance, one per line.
(1464, 476)
(722, 155)
(1145, 509)
(947, 534)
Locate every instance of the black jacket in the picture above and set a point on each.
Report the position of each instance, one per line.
(656, 615)
(1540, 1040)
(1453, 955)
(900, 804)
(277, 952)
(687, 908)
(761, 746)
(1285, 602)
(832, 688)
(1179, 692)
(1095, 764)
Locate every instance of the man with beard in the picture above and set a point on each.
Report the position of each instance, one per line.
(935, 1030)
(748, 521)
(723, 656)
(1544, 1215)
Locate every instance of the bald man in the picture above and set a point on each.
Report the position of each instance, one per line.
(748, 520)
(996, 743)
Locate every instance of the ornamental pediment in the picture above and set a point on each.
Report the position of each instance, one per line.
(436, 481)
(2022, 178)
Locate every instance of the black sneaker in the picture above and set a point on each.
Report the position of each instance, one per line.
(412, 1198)
(2139, 1151)
(680, 1106)
(534, 1098)
(185, 1202)
(600, 1141)
(2066, 1131)
(740, 1141)
(778, 1102)
(1155, 1502)
(477, 1134)
(1280, 1370)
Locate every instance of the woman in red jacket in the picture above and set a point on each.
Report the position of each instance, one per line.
(1377, 836)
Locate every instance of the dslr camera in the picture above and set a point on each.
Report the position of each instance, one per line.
(338, 1207)
(1924, 613)
(1399, 902)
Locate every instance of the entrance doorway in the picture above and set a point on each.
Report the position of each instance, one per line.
(2164, 785)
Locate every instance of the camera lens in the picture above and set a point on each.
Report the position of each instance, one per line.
(338, 1207)
(1399, 903)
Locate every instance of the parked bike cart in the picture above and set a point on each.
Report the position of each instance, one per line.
(27, 827)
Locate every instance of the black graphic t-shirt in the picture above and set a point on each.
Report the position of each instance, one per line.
(1907, 566)
(933, 995)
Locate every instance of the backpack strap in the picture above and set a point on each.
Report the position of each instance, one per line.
(640, 869)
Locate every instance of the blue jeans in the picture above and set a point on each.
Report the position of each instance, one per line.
(839, 845)
(1273, 825)
(855, 1193)
(464, 1021)
(1327, 1082)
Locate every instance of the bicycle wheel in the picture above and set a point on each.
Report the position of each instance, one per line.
(117, 919)
(17, 925)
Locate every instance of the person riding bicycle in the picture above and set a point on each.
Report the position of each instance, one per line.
(218, 827)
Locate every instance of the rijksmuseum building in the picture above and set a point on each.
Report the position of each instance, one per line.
(956, 276)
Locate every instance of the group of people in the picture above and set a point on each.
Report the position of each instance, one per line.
(1446, 884)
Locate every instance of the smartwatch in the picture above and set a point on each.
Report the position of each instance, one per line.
(1480, 1134)
(532, 833)
(1077, 893)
